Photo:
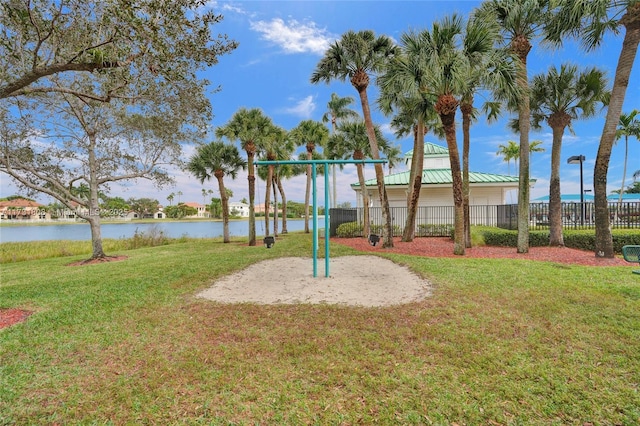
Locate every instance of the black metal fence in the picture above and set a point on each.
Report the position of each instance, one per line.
(438, 220)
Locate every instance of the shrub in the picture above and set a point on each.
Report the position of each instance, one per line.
(349, 230)
(379, 230)
(425, 230)
(578, 239)
(154, 236)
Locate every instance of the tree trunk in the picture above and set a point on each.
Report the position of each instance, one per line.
(415, 183)
(604, 239)
(448, 121)
(224, 200)
(365, 200)
(284, 204)
(96, 237)
(466, 109)
(335, 185)
(306, 200)
(94, 209)
(375, 154)
(624, 174)
(275, 206)
(556, 238)
(252, 196)
(524, 116)
(267, 201)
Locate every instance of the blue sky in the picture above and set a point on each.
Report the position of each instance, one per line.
(280, 43)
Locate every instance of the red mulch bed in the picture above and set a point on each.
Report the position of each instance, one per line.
(443, 247)
(12, 316)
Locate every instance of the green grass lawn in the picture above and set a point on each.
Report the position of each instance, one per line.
(499, 342)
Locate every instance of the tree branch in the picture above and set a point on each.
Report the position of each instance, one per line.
(27, 79)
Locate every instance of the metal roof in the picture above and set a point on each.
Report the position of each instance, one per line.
(430, 149)
(442, 177)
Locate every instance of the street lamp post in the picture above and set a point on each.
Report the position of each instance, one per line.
(579, 159)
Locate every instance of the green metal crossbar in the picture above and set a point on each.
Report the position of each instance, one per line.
(631, 254)
(325, 163)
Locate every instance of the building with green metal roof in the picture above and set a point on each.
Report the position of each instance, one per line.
(484, 188)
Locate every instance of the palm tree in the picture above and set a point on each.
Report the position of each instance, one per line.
(510, 151)
(351, 141)
(271, 144)
(249, 127)
(356, 55)
(445, 79)
(275, 146)
(559, 97)
(170, 198)
(337, 109)
(590, 21)
(309, 133)
(487, 68)
(402, 89)
(628, 125)
(520, 21)
(179, 195)
(217, 159)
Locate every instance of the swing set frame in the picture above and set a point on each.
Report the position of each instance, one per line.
(325, 164)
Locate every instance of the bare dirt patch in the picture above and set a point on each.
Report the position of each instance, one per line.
(352, 280)
(366, 280)
(9, 317)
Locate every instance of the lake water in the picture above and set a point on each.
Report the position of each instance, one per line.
(81, 231)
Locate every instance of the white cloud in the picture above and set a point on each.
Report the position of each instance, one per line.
(303, 108)
(294, 36)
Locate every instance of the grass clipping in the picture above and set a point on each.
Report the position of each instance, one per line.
(353, 280)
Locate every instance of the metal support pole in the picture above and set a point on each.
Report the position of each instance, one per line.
(315, 211)
(326, 220)
(581, 193)
(315, 222)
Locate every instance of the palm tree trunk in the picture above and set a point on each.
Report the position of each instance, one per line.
(307, 196)
(624, 173)
(275, 206)
(604, 239)
(375, 153)
(365, 201)
(252, 197)
(524, 115)
(284, 204)
(267, 200)
(456, 175)
(415, 183)
(466, 110)
(224, 200)
(555, 199)
(335, 185)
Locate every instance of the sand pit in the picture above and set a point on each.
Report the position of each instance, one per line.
(354, 280)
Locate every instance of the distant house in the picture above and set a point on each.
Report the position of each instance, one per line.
(160, 214)
(437, 183)
(23, 209)
(201, 210)
(237, 208)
